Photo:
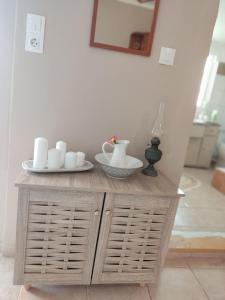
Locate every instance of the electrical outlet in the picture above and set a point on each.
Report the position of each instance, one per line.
(35, 32)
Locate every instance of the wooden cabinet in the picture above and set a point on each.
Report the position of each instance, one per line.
(193, 149)
(89, 229)
(201, 145)
(206, 151)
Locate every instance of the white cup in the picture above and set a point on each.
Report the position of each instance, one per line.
(54, 159)
(70, 160)
(80, 159)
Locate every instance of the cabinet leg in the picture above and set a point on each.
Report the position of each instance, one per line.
(142, 284)
(27, 286)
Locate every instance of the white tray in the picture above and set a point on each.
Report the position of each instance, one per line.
(28, 166)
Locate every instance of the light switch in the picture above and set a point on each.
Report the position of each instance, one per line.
(167, 56)
(35, 33)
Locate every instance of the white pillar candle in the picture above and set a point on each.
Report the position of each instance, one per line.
(54, 159)
(80, 159)
(40, 153)
(62, 147)
(70, 160)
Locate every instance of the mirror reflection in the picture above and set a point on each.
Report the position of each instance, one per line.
(125, 24)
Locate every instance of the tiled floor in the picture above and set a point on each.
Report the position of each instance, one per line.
(181, 279)
(7, 290)
(203, 208)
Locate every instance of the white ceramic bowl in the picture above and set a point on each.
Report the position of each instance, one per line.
(132, 165)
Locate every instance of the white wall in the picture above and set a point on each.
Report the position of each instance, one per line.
(7, 14)
(83, 95)
(117, 30)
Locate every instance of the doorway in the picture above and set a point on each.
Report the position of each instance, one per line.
(200, 220)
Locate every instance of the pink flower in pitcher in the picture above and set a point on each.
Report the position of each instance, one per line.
(113, 140)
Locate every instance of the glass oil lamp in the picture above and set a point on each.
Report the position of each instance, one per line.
(153, 154)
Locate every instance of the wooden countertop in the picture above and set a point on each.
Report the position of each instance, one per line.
(97, 181)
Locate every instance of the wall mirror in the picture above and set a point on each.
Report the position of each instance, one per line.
(124, 25)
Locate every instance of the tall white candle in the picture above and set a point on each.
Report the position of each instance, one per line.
(62, 147)
(80, 159)
(54, 159)
(40, 153)
(70, 160)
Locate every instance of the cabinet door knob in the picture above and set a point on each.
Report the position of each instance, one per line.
(107, 212)
(96, 213)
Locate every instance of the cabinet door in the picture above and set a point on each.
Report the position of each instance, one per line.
(193, 151)
(212, 131)
(206, 152)
(197, 131)
(56, 236)
(132, 239)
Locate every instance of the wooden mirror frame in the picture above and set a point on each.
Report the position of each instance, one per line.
(118, 48)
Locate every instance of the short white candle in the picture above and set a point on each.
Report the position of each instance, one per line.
(80, 159)
(70, 160)
(54, 159)
(62, 147)
(40, 153)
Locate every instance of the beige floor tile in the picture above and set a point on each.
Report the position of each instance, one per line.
(6, 279)
(176, 263)
(117, 292)
(178, 284)
(173, 254)
(204, 219)
(199, 241)
(203, 208)
(6, 271)
(205, 195)
(201, 211)
(206, 263)
(9, 293)
(6, 263)
(213, 282)
(54, 293)
(207, 255)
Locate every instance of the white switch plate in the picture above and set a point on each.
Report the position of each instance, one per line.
(35, 33)
(167, 56)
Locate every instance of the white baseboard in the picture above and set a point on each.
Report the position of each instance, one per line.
(8, 250)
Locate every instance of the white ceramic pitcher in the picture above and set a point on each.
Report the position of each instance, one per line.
(118, 156)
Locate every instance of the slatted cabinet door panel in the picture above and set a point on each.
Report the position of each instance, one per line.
(61, 236)
(130, 239)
